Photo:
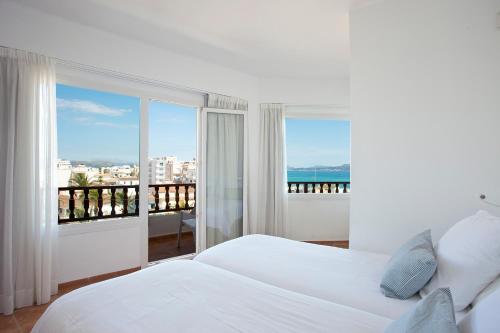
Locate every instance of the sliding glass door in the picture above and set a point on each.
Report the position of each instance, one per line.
(224, 176)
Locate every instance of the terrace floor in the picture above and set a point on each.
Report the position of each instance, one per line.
(164, 247)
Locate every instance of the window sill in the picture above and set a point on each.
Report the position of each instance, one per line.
(319, 196)
(69, 229)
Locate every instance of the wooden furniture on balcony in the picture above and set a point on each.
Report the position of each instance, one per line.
(188, 219)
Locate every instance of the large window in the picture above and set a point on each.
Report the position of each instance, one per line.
(172, 156)
(98, 153)
(318, 155)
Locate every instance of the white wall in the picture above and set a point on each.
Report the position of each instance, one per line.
(96, 248)
(304, 91)
(118, 247)
(425, 104)
(318, 216)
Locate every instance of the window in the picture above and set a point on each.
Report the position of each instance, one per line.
(172, 179)
(318, 155)
(172, 157)
(98, 154)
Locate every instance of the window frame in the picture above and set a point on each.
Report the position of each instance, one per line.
(89, 78)
(319, 112)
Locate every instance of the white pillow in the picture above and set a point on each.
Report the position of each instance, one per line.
(490, 289)
(483, 318)
(468, 258)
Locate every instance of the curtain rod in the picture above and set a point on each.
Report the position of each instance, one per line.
(336, 106)
(120, 75)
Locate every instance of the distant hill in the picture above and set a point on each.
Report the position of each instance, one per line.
(103, 164)
(341, 168)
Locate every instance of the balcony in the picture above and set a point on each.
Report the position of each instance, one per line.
(86, 203)
(166, 201)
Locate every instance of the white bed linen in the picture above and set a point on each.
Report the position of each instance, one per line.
(341, 276)
(188, 296)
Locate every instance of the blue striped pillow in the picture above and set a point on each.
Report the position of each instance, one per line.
(434, 313)
(410, 268)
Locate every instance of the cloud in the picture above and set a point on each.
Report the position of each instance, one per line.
(89, 107)
(83, 119)
(115, 125)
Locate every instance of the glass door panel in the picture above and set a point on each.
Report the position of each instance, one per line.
(224, 180)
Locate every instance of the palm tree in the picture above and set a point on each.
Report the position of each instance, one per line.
(119, 196)
(81, 180)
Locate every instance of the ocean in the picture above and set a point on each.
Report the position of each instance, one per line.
(318, 176)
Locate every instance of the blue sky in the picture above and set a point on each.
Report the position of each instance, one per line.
(172, 130)
(101, 126)
(317, 142)
(97, 126)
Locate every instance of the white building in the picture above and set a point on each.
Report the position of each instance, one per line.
(161, 170)
(127, 181)
(63, 172)
(122, 171)
(91, 173)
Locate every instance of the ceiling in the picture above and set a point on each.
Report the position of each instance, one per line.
(267, 38)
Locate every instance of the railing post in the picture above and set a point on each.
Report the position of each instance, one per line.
(194, 195)
(306, 187)
(176, 196)
(336, 187)
(99, 202)
(136, 200)
(86, 203)
(186, 196)
(329, 187)
(345, 188)
(71, 204)
(289, 187)
(113, 201)
(157, 198)
(167, 198)
(125, 201)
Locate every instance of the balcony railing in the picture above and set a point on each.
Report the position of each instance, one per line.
(319, 187)
(84, 203)
(112, 201)
(180, 197)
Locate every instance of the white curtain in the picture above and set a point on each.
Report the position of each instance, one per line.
(28, 193)
(217, 101)
(224, 177)
(273, 196)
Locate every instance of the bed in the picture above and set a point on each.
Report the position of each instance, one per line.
(190, 296)
(346, 277)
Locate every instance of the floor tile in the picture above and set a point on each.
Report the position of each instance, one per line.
(27, 317)
(8, 324)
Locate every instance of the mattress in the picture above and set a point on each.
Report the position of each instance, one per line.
(189, 296)
(346, 277)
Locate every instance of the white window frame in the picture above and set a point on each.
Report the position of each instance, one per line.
(146, 92)
(201, 194)
(318, 112)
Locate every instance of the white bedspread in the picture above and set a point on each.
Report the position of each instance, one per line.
(342, 276)
(188, 296)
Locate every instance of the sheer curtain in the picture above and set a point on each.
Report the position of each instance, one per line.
(224, 177)
(28, 193)
(273, 196)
